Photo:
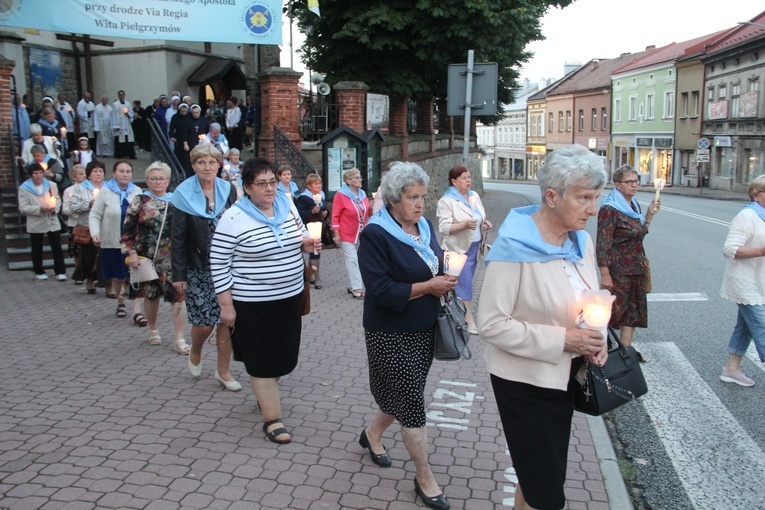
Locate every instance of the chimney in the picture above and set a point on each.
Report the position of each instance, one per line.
(570, 67)
(651, 47)
(595, 64)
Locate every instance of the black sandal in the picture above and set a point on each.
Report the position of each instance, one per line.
(121, 313)
(271, 435)
(140, 320)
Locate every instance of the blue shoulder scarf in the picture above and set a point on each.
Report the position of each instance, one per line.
(29, 186)
(346, 190)
(189, 198)
(386, 221)
(452, 192)
(293, 188)
(113, 186)
(88, 184)
(756, 207)
(281, 210)
(518, 240)
(167, 197)
(616, 200)
(308, 193)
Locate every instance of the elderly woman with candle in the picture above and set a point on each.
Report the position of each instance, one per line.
(284, 174)
(199, 202)
(106, 219)
(312, 207)
(39, 201)
(400, 263)
(530, 314)
(463, 225)
(621, 256)
(350, 212)
(83, 197)
(146, 237)
(257, 268)
(744, 282)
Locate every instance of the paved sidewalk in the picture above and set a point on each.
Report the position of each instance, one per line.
(92, 416)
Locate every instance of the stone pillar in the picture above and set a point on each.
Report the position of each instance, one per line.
(352, 98)
(279, 105)
(399, 109)
(6, 123)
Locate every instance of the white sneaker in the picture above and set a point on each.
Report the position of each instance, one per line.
(61, 277)
(41, 276)
(736, 378)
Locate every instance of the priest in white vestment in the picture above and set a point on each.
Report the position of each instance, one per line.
(85, 114)
(102, 124)
(122, 118)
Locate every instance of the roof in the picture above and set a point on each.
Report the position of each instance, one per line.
(670, 52)
(214, 69)
(594, 74)
(740, 34)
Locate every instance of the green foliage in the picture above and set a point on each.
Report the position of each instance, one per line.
(403, 47)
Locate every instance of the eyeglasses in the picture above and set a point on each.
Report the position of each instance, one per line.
(265, 184)
(157, 179)
(631, 182)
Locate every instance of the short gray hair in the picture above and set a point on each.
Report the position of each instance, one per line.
(620, 172)
(160, 166)
(35, 128)
(400, 177)
(570, 166)
(233, 151)
(215, 126)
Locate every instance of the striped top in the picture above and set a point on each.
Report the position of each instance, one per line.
(246, 259)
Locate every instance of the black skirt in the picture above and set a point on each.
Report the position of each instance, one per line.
(267, 336)
(537, 425)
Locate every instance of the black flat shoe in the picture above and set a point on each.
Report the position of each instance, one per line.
(439, 502)
(640, 357)
(382, 460)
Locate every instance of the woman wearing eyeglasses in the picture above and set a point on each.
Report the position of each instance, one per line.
(621, 257)
(199, 202)
(257, 267)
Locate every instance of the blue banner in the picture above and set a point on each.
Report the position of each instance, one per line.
(223, 21)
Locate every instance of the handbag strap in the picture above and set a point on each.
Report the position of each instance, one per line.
(159, 237)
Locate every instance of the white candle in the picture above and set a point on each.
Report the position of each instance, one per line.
(51, 201)
(317, 198)
(454, 262)
(596, 308)
(201, 137)
(226, 167)
(44, 165)
(125, 110)
(95, 192)
(659, 185)
(63, 131)
(314, 232)
(374, 195)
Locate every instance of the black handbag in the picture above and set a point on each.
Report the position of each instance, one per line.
(327, 239)
(598, 390)
(451, 331)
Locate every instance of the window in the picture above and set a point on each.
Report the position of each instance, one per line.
(581, 120)
(540, 126)
(550, 128)
(735, 100)
(604, 120)
(669, 105)
(594, 119)
(722, 91)
(533, 123)
(649, 106)
(633, 108)
(617, 111)
(695, 103)
(711, 94)
(684, 104)
(754, 85)
(568, 120)
(560, 122)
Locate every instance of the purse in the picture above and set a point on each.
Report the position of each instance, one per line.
(647, 275)
(598, 390)
(451, 331)
(81, 234)
(145, 272)
(327, 240)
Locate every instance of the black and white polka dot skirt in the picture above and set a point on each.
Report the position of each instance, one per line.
(398, 368)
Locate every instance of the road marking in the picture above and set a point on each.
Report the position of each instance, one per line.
(751, 353)
(710, 451)
(677, 296)
(690, 215)
(456, 402)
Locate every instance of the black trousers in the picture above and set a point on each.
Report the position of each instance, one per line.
(54, 239)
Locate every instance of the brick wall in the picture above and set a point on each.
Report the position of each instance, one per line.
(6, 123)
(399, 109)
(279, 105)
(352, 98)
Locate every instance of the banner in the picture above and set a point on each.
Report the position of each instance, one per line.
(222, 21)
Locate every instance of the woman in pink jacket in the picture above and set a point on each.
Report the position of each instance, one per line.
(350, 212)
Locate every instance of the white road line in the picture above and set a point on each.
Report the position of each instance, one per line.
(678, 296)
(751, 353)
(690, 214)
(718, 463)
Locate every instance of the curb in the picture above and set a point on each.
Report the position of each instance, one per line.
(616, 489)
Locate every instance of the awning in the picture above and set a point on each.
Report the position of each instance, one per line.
(213, 69)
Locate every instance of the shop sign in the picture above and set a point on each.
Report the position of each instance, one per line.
(536, 149)
(644, 142)
(664, 143)
(723, 141)
(592, 143)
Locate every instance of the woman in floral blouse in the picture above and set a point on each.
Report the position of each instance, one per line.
(621, 257)
(146, 233)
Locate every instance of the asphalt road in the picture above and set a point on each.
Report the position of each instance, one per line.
(694, 442)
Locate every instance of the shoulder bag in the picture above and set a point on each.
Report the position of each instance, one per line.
(451, 330)
(598, 390)
(81, 234)
(145, 272)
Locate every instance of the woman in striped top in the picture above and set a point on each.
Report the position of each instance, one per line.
(257, 269)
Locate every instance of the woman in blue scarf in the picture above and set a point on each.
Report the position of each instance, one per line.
(744, 282)
(463, 226)
(530, 316)
(621, 257)
(83, 198)
(401, 266)
(350, 212)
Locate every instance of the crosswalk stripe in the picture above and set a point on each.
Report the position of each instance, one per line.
(689, 214)
(751, 353)
(718, 463)
(677, 296)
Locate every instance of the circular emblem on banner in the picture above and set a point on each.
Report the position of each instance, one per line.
(257, 20)
(8, 7)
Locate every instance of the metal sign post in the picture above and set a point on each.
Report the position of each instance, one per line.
(468, 108)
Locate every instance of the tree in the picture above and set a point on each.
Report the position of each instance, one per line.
(403, 47)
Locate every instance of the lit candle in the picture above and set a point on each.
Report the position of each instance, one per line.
(69, 109)
(659, 185)
(51, 201)
(596, 308)
(317, 198)
(454, 262)
(201, 137)
(95, 192)
(63, 131)
(125, 110)
(314, 232)
(374, 195)
(226, 167)
(44, 165)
